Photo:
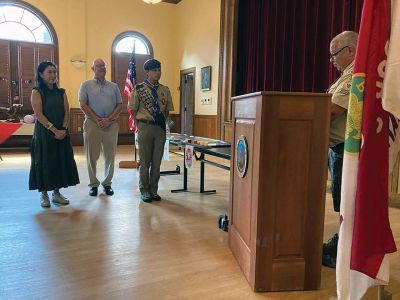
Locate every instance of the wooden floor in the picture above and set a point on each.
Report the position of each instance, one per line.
(120, 248)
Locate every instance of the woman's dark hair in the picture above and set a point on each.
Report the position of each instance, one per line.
(40, 69)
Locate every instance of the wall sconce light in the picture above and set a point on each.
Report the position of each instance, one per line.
(152, 1)
(78, 63)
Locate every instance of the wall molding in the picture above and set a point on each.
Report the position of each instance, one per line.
(227, 64)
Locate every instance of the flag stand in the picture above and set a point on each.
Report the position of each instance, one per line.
(382, 294)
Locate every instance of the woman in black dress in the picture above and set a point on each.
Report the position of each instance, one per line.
(52, 158)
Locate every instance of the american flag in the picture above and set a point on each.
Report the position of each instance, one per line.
(131, 75)
(129, 85)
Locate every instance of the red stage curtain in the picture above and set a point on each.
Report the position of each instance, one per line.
(283, 45)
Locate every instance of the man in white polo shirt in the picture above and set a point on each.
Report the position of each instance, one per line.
(101, 102)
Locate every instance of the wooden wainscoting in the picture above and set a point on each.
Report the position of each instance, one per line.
(76, 128)
(176, 118)
(227, 131)
(76, 117)
(205, 125)
(123, 122)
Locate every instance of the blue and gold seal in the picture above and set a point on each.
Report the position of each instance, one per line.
(241, 155)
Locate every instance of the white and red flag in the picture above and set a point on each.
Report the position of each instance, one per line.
(391, 91)
(365, 236)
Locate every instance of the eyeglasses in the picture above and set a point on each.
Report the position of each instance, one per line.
(332, 56)
(100, 66)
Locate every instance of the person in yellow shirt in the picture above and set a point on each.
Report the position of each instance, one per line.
(342, 54)
(150, 104)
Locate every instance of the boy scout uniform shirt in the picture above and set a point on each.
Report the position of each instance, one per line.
(138, 107)
(340, 91)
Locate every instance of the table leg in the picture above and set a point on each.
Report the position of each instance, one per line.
(184, 179)
(177, 171)
(202, 166)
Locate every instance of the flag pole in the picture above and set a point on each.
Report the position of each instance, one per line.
(131, 72)
(381, 292)
(136, 147)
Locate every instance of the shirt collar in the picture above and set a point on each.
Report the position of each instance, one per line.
(152, 85)
(99, 81)
(349, 68)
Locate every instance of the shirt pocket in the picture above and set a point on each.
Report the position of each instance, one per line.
(162, 100)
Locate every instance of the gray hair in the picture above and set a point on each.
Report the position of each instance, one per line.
(346, 38)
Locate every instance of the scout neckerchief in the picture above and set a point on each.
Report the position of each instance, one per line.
(150, 100)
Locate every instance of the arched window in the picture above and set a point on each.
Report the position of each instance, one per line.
(126, 45)
(26, 38)
(122, 48)
(18, 23)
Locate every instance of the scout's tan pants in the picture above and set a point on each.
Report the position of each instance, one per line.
(151, 139)
(96, 138)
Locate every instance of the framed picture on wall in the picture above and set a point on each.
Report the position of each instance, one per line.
(206, 78)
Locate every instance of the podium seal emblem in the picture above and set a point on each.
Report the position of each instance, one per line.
(241, 155)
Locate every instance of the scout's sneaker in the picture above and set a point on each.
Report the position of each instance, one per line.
(330, 247)
(44, 200)
(59, 199)
(146, 197)
(155, 196)
(329, 261)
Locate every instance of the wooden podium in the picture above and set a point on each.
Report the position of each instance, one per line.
(277, 201)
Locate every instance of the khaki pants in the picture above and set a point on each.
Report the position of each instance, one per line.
(96, 138)
(151, 139)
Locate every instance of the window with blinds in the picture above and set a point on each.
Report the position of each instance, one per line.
(26, 39)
